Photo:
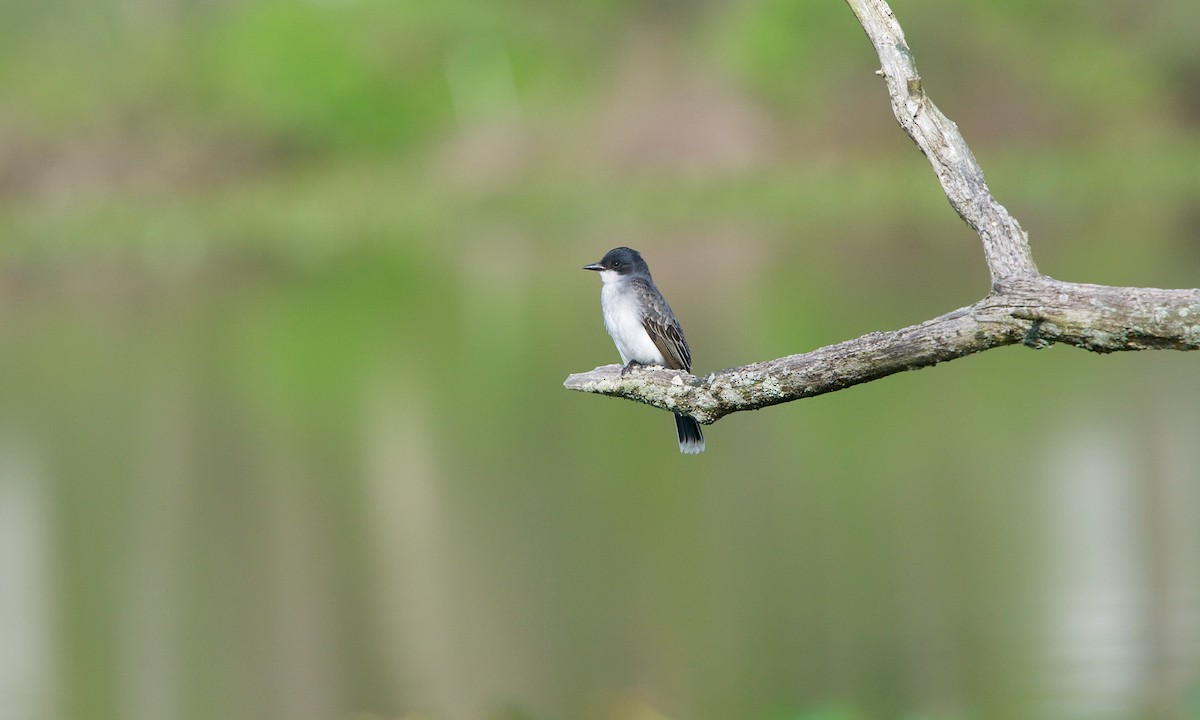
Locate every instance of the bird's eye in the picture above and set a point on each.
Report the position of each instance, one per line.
(616, 264)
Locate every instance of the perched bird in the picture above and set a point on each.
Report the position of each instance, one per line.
(643, 327)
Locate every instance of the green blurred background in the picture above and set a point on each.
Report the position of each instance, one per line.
(289, 290)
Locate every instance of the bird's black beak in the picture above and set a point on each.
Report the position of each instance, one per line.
(593, 266)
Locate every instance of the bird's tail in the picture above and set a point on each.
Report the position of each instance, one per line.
(691, 440)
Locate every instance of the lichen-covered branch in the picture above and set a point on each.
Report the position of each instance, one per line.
(1023, 307)
(1036, 313)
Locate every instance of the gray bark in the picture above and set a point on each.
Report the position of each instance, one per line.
(1024, 306)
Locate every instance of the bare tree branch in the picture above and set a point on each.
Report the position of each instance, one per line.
(1005, 244)
(1023, 307)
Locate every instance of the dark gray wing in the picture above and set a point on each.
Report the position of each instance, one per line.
(661, 325)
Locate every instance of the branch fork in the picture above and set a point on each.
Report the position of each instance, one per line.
(1023, 307)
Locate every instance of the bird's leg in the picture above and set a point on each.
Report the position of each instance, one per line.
(629, 366)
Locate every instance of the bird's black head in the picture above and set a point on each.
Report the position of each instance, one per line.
(622, 261)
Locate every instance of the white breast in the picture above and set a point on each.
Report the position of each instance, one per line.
(623, 320)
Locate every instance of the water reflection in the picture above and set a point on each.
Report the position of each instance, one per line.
(1097, 584)
(29, 682)
(232, 515)
(1123, 507)
(408, 526)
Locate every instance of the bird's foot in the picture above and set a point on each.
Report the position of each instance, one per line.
(630, 366)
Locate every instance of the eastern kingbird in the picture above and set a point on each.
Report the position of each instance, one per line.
(643, 327)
